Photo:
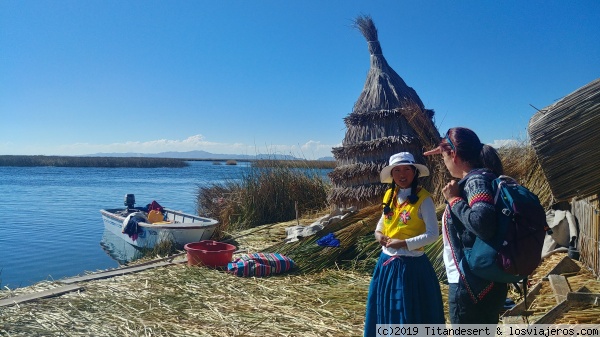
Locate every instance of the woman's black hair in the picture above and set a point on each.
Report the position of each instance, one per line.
(469, 148)
(413, 198)
(386, 206)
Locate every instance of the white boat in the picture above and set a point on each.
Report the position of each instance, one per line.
(178, 227)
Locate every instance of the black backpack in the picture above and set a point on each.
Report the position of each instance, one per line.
(515, 250)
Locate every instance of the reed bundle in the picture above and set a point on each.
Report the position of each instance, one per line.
(580, 314)
(521, 163)
(310, 257)
(358, 249)
(565, 136)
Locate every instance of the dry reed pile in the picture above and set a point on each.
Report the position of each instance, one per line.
(192, 301)
(545, 300)
(311, 257)
(521, 163)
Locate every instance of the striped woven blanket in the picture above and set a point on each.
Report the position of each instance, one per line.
(260, 264)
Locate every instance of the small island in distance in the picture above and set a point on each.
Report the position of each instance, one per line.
(165, 159)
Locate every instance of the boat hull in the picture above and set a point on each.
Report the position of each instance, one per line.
(181, 229)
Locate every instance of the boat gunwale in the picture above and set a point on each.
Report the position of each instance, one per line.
(179, 225)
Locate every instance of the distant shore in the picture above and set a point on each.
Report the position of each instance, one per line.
(142, 162)
(65, 161)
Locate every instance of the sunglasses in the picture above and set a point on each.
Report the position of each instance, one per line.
(447, 137)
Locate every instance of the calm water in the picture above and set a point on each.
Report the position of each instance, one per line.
(51, 225)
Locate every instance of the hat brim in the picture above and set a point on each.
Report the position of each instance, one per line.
(437, 150)
(385, 176)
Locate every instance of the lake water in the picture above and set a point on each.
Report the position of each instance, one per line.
(51, 226)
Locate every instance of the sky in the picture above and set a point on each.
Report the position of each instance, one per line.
(275, 77)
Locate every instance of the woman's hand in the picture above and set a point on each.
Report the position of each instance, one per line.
(382, 239)
(396, 243)
(451, 191)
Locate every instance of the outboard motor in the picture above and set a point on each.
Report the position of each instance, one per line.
(129, 201)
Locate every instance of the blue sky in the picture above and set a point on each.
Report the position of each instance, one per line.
(249, 77)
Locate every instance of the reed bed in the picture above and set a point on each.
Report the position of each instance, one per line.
(192, 301)
(263, 195)
(179, 300)
(303, 164)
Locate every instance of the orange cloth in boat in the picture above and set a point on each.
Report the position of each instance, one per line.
(155, 216)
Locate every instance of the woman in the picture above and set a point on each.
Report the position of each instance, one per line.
(469, 212)
(404, 288)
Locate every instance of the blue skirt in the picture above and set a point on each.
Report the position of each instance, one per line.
(404, 291)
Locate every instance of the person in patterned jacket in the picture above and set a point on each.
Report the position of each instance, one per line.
(469, 213)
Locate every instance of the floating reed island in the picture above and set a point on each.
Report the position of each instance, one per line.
(174, 299)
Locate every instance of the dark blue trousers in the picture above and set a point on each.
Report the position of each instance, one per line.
(462, 309)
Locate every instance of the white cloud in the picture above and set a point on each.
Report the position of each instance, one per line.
(498, 143)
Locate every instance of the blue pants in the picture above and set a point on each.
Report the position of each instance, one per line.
(462, 309)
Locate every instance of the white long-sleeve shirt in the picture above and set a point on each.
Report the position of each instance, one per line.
(427, 213)
(451, 269)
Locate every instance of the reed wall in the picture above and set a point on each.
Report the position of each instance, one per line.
(587, 213)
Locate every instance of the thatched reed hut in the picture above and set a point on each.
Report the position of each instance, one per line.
(564, 136)
(387, 118)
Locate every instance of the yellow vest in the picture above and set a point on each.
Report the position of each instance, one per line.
(403, 221)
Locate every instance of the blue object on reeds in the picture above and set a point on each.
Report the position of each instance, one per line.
(329, 240)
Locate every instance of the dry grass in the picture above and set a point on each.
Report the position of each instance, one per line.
(178, 300)
(263, 195)
(191, 301)
(521, 163)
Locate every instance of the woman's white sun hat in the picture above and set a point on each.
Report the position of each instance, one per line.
(402, 158)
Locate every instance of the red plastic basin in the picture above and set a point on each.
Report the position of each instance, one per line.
(209, 253)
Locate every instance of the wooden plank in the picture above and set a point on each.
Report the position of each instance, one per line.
(39, 295)
(115, 272)
(519, 308)
(591, 298)
(71, 286)
(560, 286)
(583, 289)
(566, 265)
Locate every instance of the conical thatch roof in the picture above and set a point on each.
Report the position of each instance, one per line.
(388, 117)
(565, 136)
(384, 88)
